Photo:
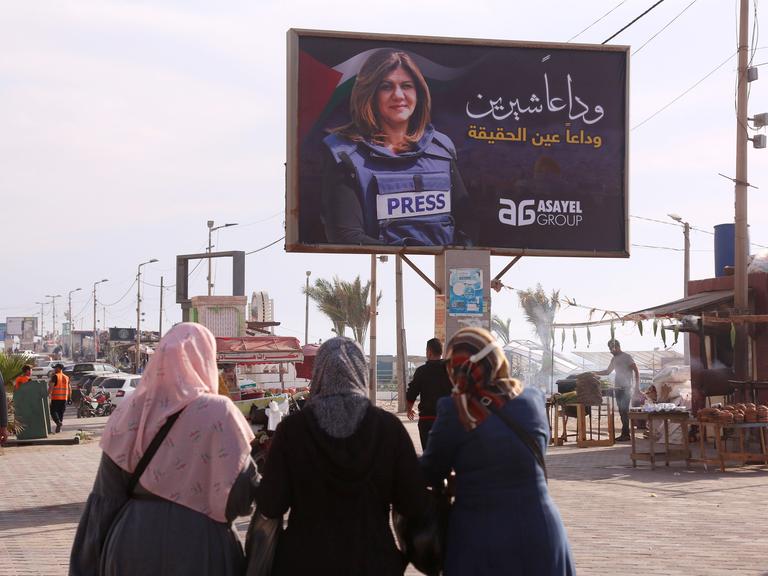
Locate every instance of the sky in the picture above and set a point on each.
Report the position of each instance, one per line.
(126, 126)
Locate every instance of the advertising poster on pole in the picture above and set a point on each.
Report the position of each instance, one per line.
(465, 292)
(422, 144)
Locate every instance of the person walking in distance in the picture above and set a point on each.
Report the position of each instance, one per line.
(430, 383)
(24, 377)
(624, 366)
(60, 392)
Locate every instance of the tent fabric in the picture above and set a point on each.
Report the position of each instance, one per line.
(259, 349)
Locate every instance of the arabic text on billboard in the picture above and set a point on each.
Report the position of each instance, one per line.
(429, 143)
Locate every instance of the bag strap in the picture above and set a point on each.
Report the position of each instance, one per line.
(523, 434)
(150, 452)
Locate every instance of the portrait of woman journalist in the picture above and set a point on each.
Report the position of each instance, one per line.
(390, 177)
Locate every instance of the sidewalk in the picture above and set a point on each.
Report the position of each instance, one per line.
(620, 520)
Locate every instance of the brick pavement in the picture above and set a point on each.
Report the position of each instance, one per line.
(620, 520)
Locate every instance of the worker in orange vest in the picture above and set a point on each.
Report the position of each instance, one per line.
(26, 376)
(60, 392)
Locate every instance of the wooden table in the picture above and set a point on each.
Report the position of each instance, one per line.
(556, 411)
(669, 454)
(742, 455)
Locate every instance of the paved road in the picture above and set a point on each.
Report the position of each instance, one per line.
(620, 520)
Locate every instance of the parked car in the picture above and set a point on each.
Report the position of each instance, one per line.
(81, 368)
(43, 369)
(120, 385)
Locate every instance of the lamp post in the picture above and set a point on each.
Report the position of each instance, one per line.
(138, 314)
(306, 310)
(95, 334)
(686, 275)
(211, 230)
(69, 296)
(53, 303)
(42, 319)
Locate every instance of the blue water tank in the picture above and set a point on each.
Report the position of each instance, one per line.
(725, 240)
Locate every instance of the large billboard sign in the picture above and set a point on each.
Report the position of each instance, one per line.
(23, 326)
(422, 144)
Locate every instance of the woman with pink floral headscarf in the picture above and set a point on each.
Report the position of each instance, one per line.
(177, 520)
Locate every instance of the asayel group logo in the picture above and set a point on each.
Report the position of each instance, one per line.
(560, 213)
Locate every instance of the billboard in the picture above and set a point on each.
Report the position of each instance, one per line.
(422, 144)
(122, 334)
(23, 326)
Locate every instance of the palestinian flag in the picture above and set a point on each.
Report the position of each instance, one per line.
(322, 88)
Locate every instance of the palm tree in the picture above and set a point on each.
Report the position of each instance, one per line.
(540, 310)
(501, 328)
(331, 301)
(345, 303)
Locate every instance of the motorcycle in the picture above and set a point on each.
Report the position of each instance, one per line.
(97, 403)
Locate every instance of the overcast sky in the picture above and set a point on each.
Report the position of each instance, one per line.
(125, 126)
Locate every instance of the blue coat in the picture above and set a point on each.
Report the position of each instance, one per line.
(503, 521)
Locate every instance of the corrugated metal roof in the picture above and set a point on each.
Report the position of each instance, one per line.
(645, 360)
(695, 304)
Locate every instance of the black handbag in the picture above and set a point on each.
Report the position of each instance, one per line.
(422, 540)
(261, 544)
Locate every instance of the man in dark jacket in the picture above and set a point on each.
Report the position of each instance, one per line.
(430, 382)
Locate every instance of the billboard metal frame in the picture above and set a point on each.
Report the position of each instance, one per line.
(292, 207)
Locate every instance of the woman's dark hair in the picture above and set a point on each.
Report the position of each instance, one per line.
(365, 124)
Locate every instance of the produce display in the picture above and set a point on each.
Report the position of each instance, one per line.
(734, 414)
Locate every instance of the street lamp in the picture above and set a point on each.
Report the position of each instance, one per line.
(53, 302)
(306, 310)
(138, 314)
(686, 274)
(42, 320)
(95, 335)
(69, 295)
(211, 230)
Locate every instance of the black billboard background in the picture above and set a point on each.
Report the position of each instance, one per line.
(593, 176)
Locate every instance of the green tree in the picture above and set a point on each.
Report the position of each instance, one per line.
(540, 310)
(345, 303)
(501, 328)
(10, 367)
(330, 299)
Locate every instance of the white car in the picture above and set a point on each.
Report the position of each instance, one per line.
(43, 369)
(120, 386)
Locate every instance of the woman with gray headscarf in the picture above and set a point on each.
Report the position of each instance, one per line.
(338, 466)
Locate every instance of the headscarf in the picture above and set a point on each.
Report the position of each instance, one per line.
(206, 448)
(479, 372)
(339, 394)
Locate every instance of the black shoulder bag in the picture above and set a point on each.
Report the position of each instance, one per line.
(150, 452)
(523, 434)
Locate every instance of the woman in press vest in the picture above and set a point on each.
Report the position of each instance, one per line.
(391, 178)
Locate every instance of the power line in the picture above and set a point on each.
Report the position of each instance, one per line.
(660, 110)
(632, 22)
(265, 247)
(121, 297)
(596, 21)
(664, 28)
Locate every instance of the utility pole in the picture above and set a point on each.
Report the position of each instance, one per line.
(53, 303)
(42, 319)
(741, 302)
(372, 346)
(71, 322)
(212, 229)
(402, 352)
(686, 275)
(138, 314)
(95, 333)
(160, 329)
